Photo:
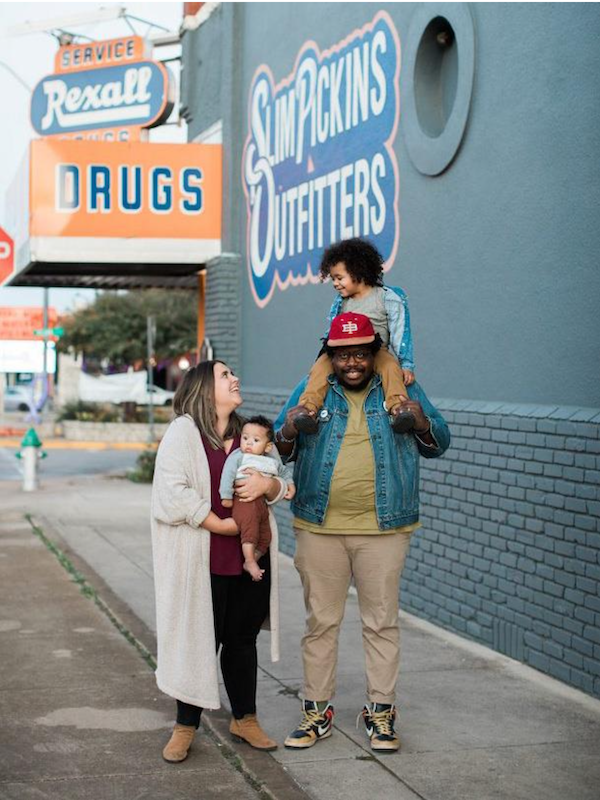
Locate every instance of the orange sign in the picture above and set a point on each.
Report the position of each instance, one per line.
(7, 256)
(100, 54)
(125, 190)
(126, 134)
(19, 322)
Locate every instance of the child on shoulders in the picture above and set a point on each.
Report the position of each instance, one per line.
(355, 267)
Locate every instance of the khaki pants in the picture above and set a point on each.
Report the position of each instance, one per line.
(326, 562)
(386, 365)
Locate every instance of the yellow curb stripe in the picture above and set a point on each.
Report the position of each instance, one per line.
(63, 444)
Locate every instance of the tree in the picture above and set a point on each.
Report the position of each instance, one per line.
(114, 326)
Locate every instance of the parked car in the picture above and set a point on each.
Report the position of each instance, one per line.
(17, 398)
(160, 397)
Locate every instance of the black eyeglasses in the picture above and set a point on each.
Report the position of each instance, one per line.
(357, 355)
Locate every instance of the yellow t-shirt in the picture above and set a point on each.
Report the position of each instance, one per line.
(351, 507)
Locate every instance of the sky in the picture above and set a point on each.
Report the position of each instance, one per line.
(31, 57)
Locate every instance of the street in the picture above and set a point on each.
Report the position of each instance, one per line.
(62, 463)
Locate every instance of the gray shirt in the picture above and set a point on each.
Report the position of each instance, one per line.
(269, 464)
(373, 307)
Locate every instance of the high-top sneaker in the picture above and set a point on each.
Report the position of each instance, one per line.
(379, 721)
(314, 725)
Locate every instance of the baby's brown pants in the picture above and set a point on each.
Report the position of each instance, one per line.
(253, 521)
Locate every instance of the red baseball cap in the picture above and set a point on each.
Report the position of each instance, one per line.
(350, 329)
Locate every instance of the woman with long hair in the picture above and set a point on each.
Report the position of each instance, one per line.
(204, 599)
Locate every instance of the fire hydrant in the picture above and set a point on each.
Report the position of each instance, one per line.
(30, 454)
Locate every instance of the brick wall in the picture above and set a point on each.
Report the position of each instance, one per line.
(509, 552)
(223, 308)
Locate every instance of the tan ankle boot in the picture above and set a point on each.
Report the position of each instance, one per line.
(248, 730)
(179, 744)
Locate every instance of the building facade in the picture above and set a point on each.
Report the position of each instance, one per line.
(463, 140)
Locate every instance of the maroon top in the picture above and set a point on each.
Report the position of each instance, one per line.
(225, 551)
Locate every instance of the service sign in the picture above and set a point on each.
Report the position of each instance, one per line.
(123, 190)
(132, 94)
(318, 163)
(100, 54)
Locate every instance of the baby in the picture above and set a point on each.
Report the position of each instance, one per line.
(257, 452)
(355, 267)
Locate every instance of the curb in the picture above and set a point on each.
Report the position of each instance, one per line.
(65, 444)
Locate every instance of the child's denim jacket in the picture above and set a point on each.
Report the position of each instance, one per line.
(396, 308)
(396, 456)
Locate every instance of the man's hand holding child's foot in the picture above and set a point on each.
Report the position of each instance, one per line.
(402, 419)
(304, 420)
(255, 571)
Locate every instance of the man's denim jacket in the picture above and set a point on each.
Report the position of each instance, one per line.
(396, 309)
(396, 456)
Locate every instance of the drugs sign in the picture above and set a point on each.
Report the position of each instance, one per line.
(92, 99)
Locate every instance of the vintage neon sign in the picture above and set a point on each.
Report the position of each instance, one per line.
(133, 94)
(318, 163)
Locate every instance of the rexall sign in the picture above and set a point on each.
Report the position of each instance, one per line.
(132, 94)
(318, 163)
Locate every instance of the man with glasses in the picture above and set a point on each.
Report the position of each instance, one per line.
(355, 509)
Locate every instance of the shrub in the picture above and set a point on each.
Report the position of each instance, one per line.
(89, 412)
(144, 471)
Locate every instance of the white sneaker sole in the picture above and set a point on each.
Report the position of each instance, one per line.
(293, 744)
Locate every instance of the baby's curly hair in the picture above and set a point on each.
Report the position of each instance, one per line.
(362, 259)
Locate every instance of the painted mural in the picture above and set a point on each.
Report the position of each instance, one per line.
(318, 163)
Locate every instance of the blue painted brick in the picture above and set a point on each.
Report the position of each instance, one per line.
(574, 596)
(573, 659)
(539, 661)
(553, 560)
(561, 457)
(586, 554)
(544, 571)
(552, 649)
(574, 626)
(532, 640)
(593, 572)
(592, 633)
(576, 535)
(586, 523)
(586, 614)
(560, 670)
(553, 470)
(562, 637)
(554, 589)
(583, 681)
(591, 665)
(587, 585)
(565, 579)
(565, 549)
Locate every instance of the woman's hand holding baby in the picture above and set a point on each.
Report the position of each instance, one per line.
(255, 486)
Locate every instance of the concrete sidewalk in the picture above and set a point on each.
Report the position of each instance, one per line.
(474, 725)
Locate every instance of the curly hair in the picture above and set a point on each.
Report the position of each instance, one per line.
(262, 422)
(362, 260)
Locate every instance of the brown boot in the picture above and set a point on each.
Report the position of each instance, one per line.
(179, 744)
(247, 729)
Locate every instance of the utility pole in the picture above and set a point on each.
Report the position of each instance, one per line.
(45, 361)
(151, 333)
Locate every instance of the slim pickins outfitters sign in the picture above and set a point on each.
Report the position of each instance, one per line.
(318, 163)
(102, 90)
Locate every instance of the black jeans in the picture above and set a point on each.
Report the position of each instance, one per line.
(240, 606)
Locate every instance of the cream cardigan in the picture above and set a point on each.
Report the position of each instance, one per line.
(187, 661)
